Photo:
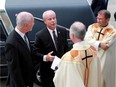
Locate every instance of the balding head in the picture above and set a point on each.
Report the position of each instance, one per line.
(78, 29)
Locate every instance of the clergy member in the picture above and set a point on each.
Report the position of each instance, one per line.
(102, 35)
(79, 67)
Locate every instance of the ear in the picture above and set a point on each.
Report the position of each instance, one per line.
(107, 19)
(71, 36)
(44, 21)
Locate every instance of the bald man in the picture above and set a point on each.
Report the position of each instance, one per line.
(18, 53)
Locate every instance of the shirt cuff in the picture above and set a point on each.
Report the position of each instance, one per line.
(96, 45)
(44, 58)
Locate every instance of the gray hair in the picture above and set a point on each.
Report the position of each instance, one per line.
(47, 13)
(78, 29)
(23, 18)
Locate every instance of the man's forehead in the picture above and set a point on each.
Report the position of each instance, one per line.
(100, 16)
(50, 16)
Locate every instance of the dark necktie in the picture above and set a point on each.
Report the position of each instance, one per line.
(55, 40)
(26, 41)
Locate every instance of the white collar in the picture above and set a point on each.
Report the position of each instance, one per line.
(19, 32)
(50, 30)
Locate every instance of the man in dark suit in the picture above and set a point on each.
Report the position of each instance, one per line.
(18, 53)
(49, 46)
(98, 5)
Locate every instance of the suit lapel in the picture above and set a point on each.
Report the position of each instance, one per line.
(59, 36)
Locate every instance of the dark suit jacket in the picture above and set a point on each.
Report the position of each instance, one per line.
(98, 5)
(44, 44)
(20, 65)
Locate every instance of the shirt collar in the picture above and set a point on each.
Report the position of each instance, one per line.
(50, 30)
(19, 32)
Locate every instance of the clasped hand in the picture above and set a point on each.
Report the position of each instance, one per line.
(104, 45)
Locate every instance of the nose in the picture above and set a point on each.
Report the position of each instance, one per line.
(53, 20)
(98, 20)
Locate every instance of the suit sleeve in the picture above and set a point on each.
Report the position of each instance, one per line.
(13, 65)
(36, 49)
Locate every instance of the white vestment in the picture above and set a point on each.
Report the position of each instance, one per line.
(108, 57)
(75, 70)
